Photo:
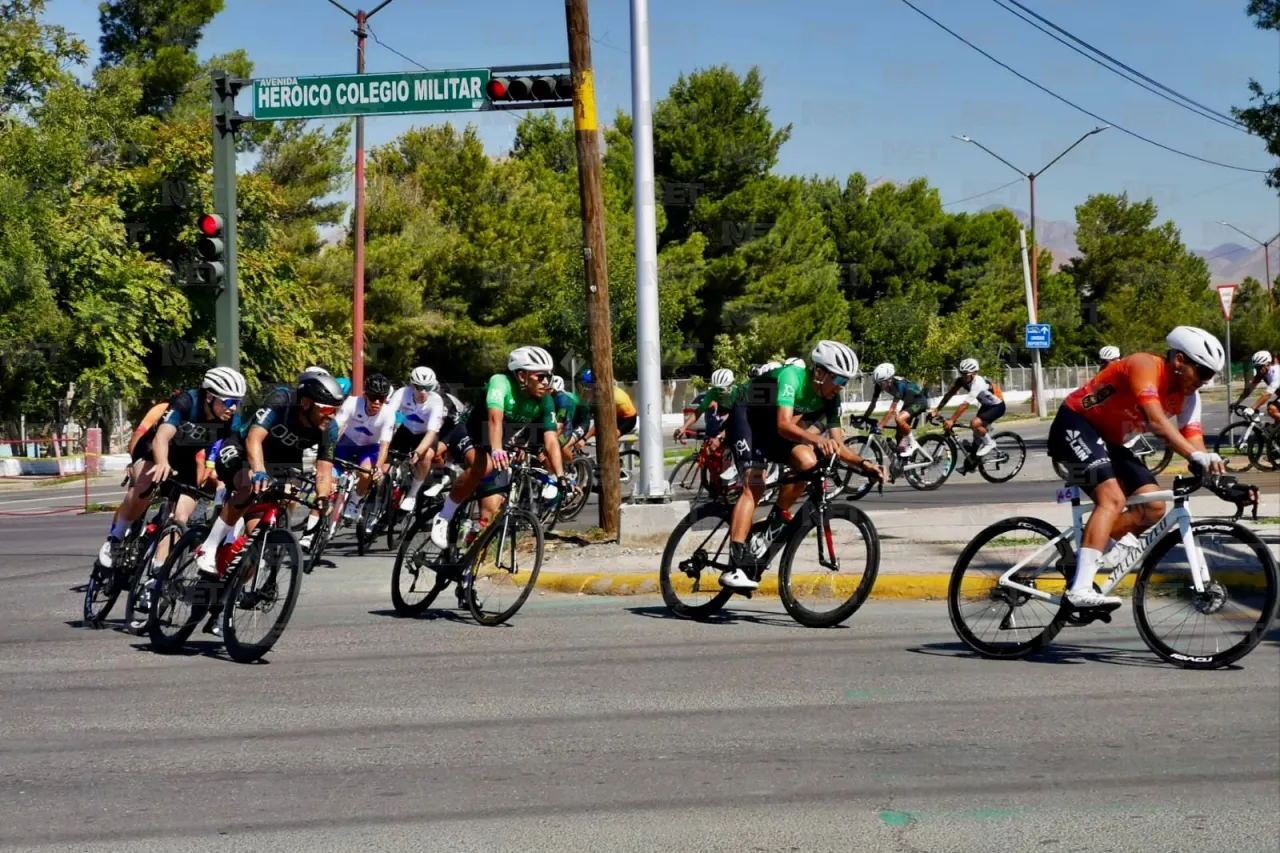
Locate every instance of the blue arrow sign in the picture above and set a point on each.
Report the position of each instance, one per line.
(1039, 336)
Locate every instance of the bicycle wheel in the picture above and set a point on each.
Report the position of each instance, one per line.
(1159, 457)
(1060, 470)
(1003, 464)
(498, 584)
(372, 511)
(414, 581)
(826, 582)
(1022, 623)
(145, 577)
(1240, 597)
(261, 595)
(629, 466)
(1264, 450)
(858, 484)
(105, 585)
(324, 531)
(940, 463)
(581, 471)
(182, 596)
(1231, 445)
(687, 476)
(695, 555)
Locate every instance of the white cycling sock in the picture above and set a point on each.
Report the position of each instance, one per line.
(218, 531)
(450, 507)
(313, 521)
(1086, 568)
(414, 486)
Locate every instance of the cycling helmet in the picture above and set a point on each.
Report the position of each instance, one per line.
(835, 357)
(557, 383)
(1199, 346)
(883, 371)
(322, 389)
(225, 382)
(530, 358)
(345, 384)
(722, 378)
(969, 365)
(312, 371)
(424, 378)
(377, 385)
(1261, 358)
(588, 378)
(1109, 353)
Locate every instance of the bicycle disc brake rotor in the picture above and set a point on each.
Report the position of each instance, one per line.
(1211, 600)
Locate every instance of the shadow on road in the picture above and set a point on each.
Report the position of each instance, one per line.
(429, 615)
(725, 617)
(196, 648)
(1056, 654)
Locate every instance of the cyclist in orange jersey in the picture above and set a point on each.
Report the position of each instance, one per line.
(1135, 394)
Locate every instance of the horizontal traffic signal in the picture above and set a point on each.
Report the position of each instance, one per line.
(553, 88)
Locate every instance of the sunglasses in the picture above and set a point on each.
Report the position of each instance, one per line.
(229, 402)
(323, 409)
(1204, 373)
(839, 381)
(542, 377)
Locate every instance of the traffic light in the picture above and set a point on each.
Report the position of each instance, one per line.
(212, 248)
(552, 90)
(225, 89)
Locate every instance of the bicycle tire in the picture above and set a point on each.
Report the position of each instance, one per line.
(394, 515)
(105, 585)
(511, 518)
(398, 601)
(142, 577)
(868, 449)
(665, 582)
(1264, 451)
(1234, 458)
(1268, 610)
(238, 650)
(203, 593)
(324, 530)
(683, 469)
(956, 586)
(367, 532)
(1017, 446)
(916, 480)
(1059, 470)
(786, 590)
(582, 474)
(628, 468)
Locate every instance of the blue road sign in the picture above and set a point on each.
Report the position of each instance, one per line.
(1039, 336)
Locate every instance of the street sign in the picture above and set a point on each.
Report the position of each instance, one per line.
(370, 94)
(1226, 293)
(1039, 336)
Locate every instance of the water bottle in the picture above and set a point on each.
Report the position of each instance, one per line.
(549, 488)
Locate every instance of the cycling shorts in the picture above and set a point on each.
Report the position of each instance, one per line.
(1091, 461)
(359, 455)
(627, 425)
(714, 423)
(458, 442)
(405, 440)
(914, 405)
(990, 414)
(753, 431)
(184, 465)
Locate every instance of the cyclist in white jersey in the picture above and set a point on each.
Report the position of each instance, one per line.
(365, 425)
(983, 393)
(420, 412)
(1266, 372)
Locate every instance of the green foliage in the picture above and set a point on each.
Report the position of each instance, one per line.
(1263, 118)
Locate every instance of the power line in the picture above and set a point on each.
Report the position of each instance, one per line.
(1112, 59)
(393, 50)
(1072, 104)
(1203, 112)
(988, 192)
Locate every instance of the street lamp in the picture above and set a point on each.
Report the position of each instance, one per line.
(1031, 177)
(1266, 257)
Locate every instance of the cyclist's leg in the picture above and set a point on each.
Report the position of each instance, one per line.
(752, 465)
(232, 468)
(1135, 479)
(987, 415)
(801, 458)
(479, 466)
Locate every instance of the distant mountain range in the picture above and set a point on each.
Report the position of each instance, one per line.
(1228, 263)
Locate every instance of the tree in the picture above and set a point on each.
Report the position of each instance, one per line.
(1263, 118)
(158, 38)
(32, 54)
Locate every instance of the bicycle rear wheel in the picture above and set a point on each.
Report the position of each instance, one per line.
(1264, 449)
(1002, 623)
(695, 555)
(261, 596)
(414, 580)
(142, 591)
(834, 574)
(499, 584)
(105, 585)
(1236, 609)
(941, 462)
(182, 596)
(1231, 445)
(372, 513)
(581, 471)
(1003, 464)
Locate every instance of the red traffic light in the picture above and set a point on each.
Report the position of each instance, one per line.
(497, 89)
(210, 224)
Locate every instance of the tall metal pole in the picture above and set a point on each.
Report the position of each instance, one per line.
(1266, 260)
(591, 191)
(227, 306)
(357, 305)
(652, 482)
(1035, 257)
(1038, 397)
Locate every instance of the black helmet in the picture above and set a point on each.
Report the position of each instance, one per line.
(322, 389)
(377, 385)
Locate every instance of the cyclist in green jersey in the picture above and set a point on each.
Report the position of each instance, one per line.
(510, 403)
(770, 423)
(573, 416)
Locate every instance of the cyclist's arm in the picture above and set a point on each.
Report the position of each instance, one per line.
(789, 428)
(1162, 426)
(552, 447)
(946, 398)
(253, 449)
(875, 395)
(964, 404)
(324, 476)
(495, 430)
(1249, 385)
(888, 416)
(160, 447)
(847, 454)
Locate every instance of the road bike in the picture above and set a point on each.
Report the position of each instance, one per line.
(164, 530)
(701, 472)
(999, 465)
(1252, 441)
(491, 582)
(830, 556)
(1007, 599)
(927, 468)
(251, 601)
(1148, 447)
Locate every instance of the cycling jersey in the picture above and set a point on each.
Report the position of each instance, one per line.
(185, 413)
(417, 418)
(622, 404)
(1111, 399)
(518, 408)
(721, 398)
(357, 426)
(984, 393)
(1271, 379)
(287, 436)
(903, 391)
(149, 421)
(791, 387)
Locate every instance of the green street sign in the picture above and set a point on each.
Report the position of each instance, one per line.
(370, 94)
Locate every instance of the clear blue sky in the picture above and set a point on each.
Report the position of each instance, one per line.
(869, 85)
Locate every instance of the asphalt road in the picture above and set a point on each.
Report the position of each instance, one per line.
(602, 724)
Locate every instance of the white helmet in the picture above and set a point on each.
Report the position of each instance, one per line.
(722, 378)
(225, 382)
(835, 357)
(312, 371)
(1109, 353)
(1261, 358)
(883, 371)
(969, 365)
(1199, 346)
(424, 378)
(530, 358)
(557, 383)
(794, 362)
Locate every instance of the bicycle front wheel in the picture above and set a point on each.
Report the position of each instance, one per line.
(261, 596)
(1003, 464)
(414, 580)
(1264, 450)
(142, 592)
(828, 571)
(508, 557)
(1210, 629)
(182, 596)
(1232, 446)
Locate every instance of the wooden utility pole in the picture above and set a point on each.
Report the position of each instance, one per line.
(591, 190)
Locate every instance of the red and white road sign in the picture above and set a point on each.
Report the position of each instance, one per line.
(1226, 293)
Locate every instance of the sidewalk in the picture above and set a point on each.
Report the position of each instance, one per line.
(919, 548)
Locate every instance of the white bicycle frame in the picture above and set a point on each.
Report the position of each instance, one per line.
(1179, 515)
(1255, 422)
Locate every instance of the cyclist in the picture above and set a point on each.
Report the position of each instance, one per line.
(1266, 372)
(982, 392)
(765, 426)
(420, 414)
(573, 416)
(902, 391)
(1108, 354)
(1087, 436)
(511, 402)
(273, 441)
(193, 420)
(624, 409)
(714, 405)
(365, 427)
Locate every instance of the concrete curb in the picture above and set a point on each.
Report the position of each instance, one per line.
(924, 587)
